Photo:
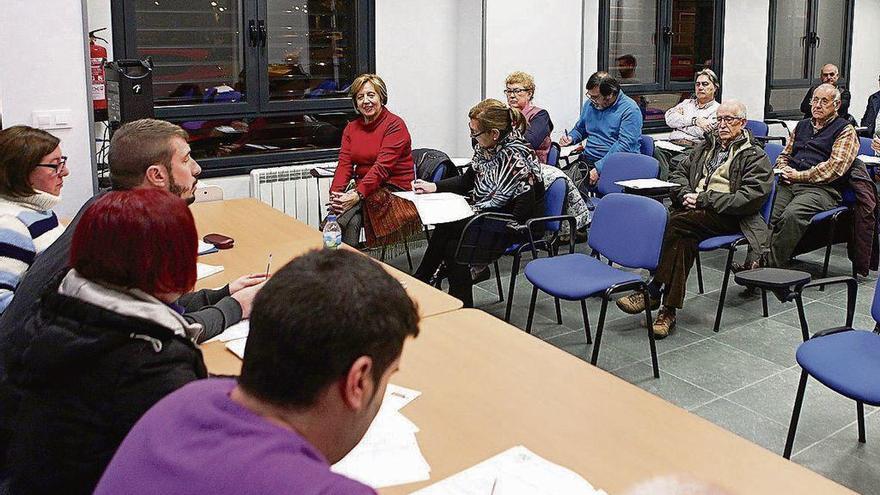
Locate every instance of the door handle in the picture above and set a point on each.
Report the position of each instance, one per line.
(263, 34)
(253, 35)
(667, 32)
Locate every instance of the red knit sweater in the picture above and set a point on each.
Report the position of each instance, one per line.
(378, 153)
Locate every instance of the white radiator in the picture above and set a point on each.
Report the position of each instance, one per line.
(293, 190)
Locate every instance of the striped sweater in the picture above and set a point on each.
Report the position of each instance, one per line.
(27, 227)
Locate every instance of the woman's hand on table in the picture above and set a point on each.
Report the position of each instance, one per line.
(246, 281)
(342, 202)
(421, 186)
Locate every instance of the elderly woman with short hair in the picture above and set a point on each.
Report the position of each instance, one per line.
(520, 90)
(32, 172)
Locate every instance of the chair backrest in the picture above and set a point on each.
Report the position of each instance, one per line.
(758, 128)
(553, 154)
(554, 202)
(628, 230)
(773, 151)
(207, 193)
(625, 166)
(875, 306)
(439, 173)
(646, 145)
(485, 238)
(767, 208)
(865, 146)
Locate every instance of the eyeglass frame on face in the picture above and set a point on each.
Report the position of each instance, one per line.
(474, 136)
(57, 168)
(727, 119)
(514, 91)
(822, 101)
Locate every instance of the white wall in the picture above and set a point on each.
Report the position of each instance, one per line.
(44, 66)
(428, 53)
(547, 46)
(865, 55)
(745, 54)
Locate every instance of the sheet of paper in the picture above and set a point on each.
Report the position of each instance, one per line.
(436, 208)
(873, 160)
(515, 471)
(645, 183)
(389, 452)
(203, 270)
(238, 331)
(566, 151)
(206, 248)
(666, 145)
(237, 347)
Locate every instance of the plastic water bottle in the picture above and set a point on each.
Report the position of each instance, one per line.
(332, 233)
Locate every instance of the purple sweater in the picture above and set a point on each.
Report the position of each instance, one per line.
(197, 440)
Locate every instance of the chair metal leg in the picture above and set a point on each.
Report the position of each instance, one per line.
(599, 328)
(795, 413)
(699, 274)
(650, 324)
(586, 321)
(723, 294)
(764, 302)
(531, 310)
(860, 411)
(828, 250)
(498, 282)
(408, 256)
(382, 256)
(558, 311)
(514, 271)
(805, 331)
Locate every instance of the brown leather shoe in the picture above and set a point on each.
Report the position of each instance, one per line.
(635, 303)
(664, 323)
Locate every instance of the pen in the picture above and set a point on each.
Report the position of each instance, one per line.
(268, 264)
(493, 486)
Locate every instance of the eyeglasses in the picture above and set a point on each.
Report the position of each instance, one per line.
(829, 74)
(820, 101)
(56, 167)
(515, 91)
(702, 83)
(471, 131)
(728, 119)
(595, 99)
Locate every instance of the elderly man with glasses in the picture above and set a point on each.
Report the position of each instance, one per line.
(829, 75)
(814, 170)
(724, 182)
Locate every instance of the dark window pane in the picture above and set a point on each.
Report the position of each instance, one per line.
(693, 25)
(831, 26)
(196, 47)
(789, 51)
(654, 106)
(311, 48)
(787, 100)
(632, 53)
(260, 135)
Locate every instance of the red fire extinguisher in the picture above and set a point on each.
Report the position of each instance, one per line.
(98, 55)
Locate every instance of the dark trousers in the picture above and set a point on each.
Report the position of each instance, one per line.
(794, 206)
(684, 231)
(441, 248)
(351, 223)
(670, 160)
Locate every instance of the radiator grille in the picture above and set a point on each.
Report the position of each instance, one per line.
(292, 190)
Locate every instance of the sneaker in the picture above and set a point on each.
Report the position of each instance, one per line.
(635, 303)
(664, 323)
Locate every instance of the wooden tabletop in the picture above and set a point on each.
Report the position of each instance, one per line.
(259, 230)
(488, 386)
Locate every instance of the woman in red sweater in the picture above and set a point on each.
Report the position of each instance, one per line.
(375, 158)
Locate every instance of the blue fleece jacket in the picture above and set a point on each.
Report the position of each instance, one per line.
(613, 129)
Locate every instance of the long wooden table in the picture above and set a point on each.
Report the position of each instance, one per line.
(259, 230)
(488, 386)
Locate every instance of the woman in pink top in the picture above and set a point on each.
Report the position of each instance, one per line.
(520, 89)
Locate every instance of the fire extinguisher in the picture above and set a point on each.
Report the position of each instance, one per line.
(98, 55)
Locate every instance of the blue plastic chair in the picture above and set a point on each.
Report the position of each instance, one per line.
(554, 206)
(553, 155)
(865, 146)
(626, 229)
(761, 131)
(773, 151)
(623, 166)
(843, 359)
(730, 243)
(646, 145)
(832, 216)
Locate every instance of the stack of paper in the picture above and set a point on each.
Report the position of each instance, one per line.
(868, 159)
(436, 208)
(203, 270)
(237, 347)
(389, 453)
(646, 184)
(666, 145)
(238, 331)
(514, 471)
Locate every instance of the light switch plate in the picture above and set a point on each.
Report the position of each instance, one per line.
(52, 119)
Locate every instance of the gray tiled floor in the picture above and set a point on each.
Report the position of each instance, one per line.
(743, 378)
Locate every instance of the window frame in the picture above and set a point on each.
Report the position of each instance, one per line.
(257, 104)
(811, 68)
(663, 52)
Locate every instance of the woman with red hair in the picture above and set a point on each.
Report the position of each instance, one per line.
(107, 341)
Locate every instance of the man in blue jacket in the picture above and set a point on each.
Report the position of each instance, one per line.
(610, 122)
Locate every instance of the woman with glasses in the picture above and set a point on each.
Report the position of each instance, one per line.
(375, 158)
(32, 172)
(690, 120)
(519, 90)
(504, 176)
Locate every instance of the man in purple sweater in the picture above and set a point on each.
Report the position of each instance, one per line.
(327, 332)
